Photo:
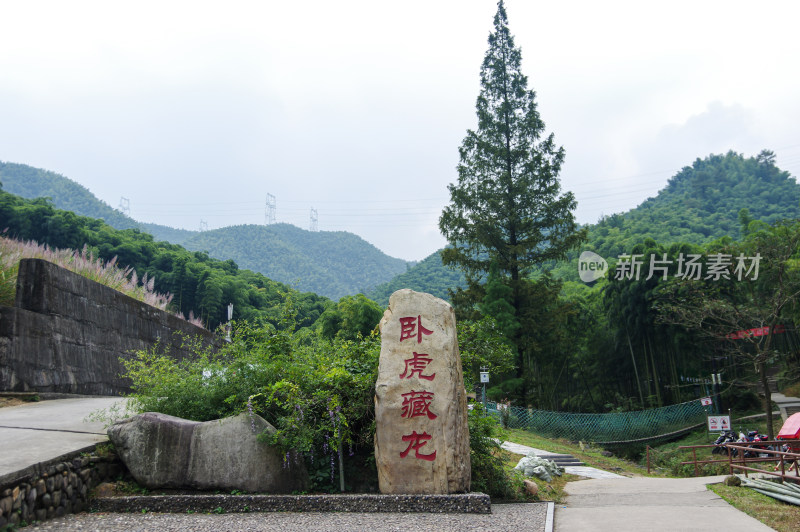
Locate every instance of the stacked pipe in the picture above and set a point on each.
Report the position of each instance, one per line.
(785, 492)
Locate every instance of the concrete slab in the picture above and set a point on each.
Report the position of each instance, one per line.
(590, 472)
(37, 432)
(636, 504)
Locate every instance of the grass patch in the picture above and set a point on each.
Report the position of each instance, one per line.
(590, 455)
(548, 491)
(793, 390)
(779, 515)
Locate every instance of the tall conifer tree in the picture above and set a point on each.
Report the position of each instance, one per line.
(507, 206)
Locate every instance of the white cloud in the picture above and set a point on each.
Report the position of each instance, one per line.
(197, 111)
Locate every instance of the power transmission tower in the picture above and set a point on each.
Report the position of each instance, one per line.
(125, 206)
(269, 210)
(203, 225)
(314, 226)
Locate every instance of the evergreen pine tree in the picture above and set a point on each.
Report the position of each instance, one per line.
(496, 303)
(507, 205)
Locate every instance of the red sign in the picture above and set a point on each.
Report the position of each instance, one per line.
(705, 401)
(758, 331)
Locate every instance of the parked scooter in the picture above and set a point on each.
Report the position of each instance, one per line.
(754, 436)
(727, 436)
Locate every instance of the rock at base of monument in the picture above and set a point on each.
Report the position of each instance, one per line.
(162, 451)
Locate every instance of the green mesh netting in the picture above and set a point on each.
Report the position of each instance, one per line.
(617, 428)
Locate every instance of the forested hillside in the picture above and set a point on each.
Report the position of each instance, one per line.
(68, 195)
(699, 204)
(586, 348)
(200, 284)
(332, 264)
(702, 202)
(427, 276)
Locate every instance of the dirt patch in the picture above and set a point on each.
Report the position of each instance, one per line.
(11, 401)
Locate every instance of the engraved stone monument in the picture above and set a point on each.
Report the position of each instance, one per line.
(422, 438)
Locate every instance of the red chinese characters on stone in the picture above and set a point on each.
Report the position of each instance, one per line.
(417, 404)
(410, 327)
(416, 365)
(415, 442)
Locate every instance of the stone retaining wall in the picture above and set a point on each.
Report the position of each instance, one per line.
(66, 333)
(56, 487)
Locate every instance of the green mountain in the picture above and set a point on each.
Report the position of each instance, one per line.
(700, 203)
(199, 284)
(427, 276)
(333, 264)
(66, 194)
(329, 263)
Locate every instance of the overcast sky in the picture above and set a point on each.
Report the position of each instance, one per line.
(195, 111)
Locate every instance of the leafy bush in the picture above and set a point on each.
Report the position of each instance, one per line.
(318, 393)
(488, 472)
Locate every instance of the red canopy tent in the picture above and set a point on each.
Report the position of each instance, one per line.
(791, 428)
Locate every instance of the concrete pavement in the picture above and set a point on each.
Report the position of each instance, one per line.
(38, 432)
(608, 501)
(653, 504)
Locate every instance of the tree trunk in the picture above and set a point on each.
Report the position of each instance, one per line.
(635, 371)
(762, 375)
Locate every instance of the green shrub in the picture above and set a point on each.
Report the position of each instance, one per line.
(318, 393)
(488, 472)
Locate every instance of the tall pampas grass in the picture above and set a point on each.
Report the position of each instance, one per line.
(81, 262)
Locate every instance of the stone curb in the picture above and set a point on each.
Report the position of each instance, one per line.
(548, 524)
(475, 503)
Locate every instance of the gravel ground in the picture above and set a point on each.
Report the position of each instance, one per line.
(528, 517)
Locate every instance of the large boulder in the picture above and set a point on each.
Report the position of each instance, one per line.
(163, 451)
(422, 437)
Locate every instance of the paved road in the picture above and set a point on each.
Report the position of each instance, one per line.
(36, 432)
(652, 504)
(612, 502)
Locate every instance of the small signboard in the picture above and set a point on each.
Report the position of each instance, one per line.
(705, 401)
(484, 376)
(719, 423)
